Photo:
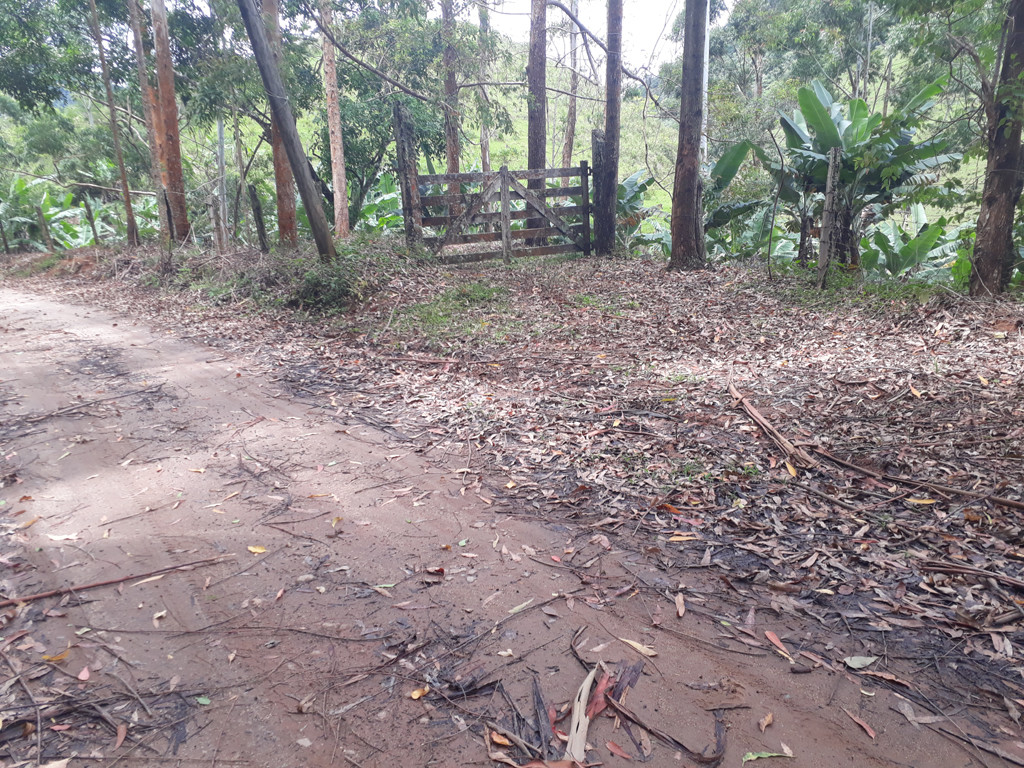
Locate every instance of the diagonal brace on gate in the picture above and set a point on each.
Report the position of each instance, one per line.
(537, 204)
(467, 215)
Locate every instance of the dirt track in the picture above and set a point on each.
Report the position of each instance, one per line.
(131, 451)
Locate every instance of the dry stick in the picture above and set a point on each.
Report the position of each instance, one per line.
(1012, 503)
(792, 452)
(108, 582)
(87, 403)
(940, 567)
(713, 759)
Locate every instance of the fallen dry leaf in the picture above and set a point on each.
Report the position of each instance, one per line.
(867, 728)
(765, 721)
(639, 647)
(615, 749)
(774, 640)
(680, 606)
(122, 734)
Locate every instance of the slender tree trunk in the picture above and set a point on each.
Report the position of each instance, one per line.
(831, 225)
(536, 100)
(222, 186)
(805, 249)
(129, 213)
(574, 87)
(146, 90)
(284, 179)
(994, 251)
(485, 128)
(285, 119)
(451, 97)
(236, 135)
(170, 142)
(606, 186)
(687, 209)
(338, 180)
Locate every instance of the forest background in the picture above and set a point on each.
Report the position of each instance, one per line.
(912, 91)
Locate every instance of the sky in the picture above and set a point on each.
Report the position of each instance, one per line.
(645, 26)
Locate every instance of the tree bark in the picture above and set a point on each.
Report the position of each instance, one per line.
(285, 120)
(170, 142)
(687, 209)
(536, 100)
(338, 180)
(129, 213)
(574, 87)
(146, 90)
(405, 150)
(284, 179)
(606, 186)
(994, 251)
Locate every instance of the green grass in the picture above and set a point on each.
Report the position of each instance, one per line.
(462, 311)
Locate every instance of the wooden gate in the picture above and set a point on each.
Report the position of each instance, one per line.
(500, 207)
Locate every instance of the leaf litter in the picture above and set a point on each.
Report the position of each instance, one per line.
(841, 466)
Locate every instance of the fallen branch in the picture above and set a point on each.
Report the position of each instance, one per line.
(796, 455)
(87, 403)
(108, 582)
(713, 759)
(937, 566)
(1012, 503)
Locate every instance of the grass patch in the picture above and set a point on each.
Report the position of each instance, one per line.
(460, 311)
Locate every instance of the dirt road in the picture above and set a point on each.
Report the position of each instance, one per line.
(353, 600)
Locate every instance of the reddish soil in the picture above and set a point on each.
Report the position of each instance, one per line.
(341, 568)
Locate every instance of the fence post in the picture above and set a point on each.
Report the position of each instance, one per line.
(408, 175)
(506, 216)
(585, 205)
(829, 219)
(43, 229)
(257, 217)
(91, 219)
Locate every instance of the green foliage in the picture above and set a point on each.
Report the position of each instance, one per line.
(892, 251)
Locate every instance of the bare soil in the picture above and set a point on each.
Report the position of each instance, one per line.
(347, 544)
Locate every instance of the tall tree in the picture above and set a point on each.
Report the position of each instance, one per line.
(452, 149)
(148, 104)
(687, 208)
(606, 187)
(536, 100)
(287, 221)
(170, 142)
(485, 122)
(994, 251)
(129, 213)
(339, 183)
(574, 87)
(282, 111)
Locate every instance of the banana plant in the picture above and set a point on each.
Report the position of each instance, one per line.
(895, 252)
(880, 162)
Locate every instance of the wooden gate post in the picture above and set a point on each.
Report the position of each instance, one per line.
(408, 175)
(506, 215)
(830, 218)
(257, 217)
(585, 205)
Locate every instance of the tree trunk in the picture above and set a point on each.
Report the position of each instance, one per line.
(236, 135)
(146, 90)
(452, 147)
(170, 142)
(338, 180)
(129, 213)
(536, 100)
(606, 185)
(405, 150)
(222, 186)
(485, 128)
(994, 251)
(806, 247)
(285, 120)
(284, 179)
(574, 87)
(687, 208)
(831, 226)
